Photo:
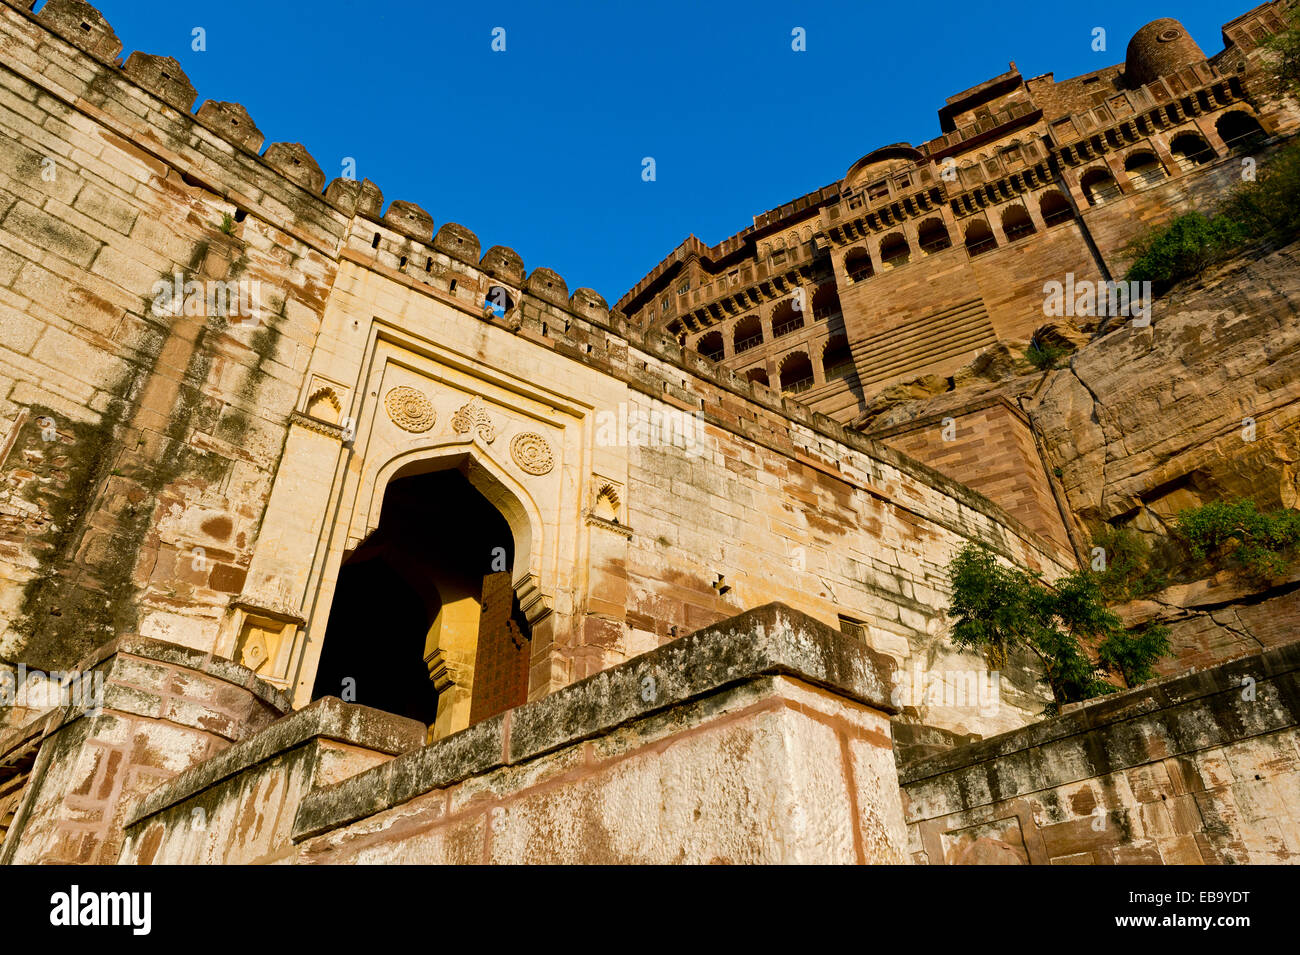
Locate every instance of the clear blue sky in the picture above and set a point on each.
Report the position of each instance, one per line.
(540, 148)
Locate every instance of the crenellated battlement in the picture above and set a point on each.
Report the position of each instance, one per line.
(83, 26)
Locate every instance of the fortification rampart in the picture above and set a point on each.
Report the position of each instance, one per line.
(200, 479)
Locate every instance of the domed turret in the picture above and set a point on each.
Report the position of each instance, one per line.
(1161, 47)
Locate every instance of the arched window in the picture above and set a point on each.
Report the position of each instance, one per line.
(786, 319)
(1099, 186)
(837, 359)
(1143, 169)
(710, 346)
(1055, 208)
(498, 301)
(979, 238)
(757, 374)
(894, 250)
(324, 405)
(1240, 131)
(932, 236)
(607, 504)
(748, 334)
(826, 302)
(858, 265)
(1016, 223)
(796, 373)
(1190, 150)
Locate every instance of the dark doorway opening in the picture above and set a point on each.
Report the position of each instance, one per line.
(424, 621)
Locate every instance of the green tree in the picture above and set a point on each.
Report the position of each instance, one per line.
(999, 609)
(1238, 532)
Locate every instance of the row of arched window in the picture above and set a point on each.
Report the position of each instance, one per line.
(1237, 129)
(796, 369)
(747, 333)
(792, 240)
(932, 236)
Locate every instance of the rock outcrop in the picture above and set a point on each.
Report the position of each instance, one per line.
(1202, 404)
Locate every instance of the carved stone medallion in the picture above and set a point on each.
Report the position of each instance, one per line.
(409, 409)
(532, 452)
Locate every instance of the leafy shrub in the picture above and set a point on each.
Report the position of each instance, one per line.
(1132, 654)
(1265, 210)
(1184, 248)
(1000, 609)
(1238, 532)
(1269, 207)
(1128, 566)
(1044, 357)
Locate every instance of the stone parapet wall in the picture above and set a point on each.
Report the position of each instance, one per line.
(238, 808)
(1202, 768)
(764, 739)
(163, 709)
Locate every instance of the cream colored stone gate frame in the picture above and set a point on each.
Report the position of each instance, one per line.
(452, 359)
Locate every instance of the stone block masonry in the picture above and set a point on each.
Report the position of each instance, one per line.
(201, 480)
(164, 709)
(219, 483)
(1197, 769)
(763, 739)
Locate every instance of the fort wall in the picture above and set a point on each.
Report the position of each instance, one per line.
(1198, 769)
(765, 740)
(200, 478)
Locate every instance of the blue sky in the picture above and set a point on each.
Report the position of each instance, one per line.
(540, 147)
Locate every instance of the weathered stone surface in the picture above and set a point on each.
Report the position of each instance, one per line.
(184, 476)
(409, 219)
(589, 304)
(162, 75)
(503, 263)
(765, 771)
(297, 164)
(770, 639)
(80, 23)
(361, 198)
(232, 122)
(458, 242)
(327, 718)
(1157, 419)
(163, 709)
(548, 285)
(1154, 775)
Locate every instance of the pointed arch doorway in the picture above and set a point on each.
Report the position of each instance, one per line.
(424, 621)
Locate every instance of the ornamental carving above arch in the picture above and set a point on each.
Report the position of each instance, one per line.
(532, 453)
(473, 417)
(410, 409)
